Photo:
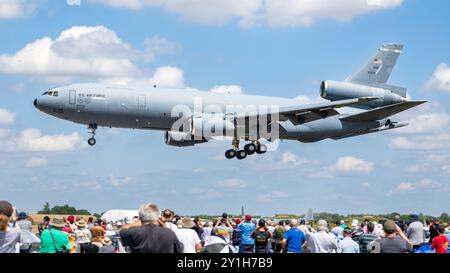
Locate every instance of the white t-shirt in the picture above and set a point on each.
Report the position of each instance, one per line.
(9, 240)
(172, 226)
(189, 238)
(322, 242)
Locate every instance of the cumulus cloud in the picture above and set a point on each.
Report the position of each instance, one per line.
(352, 165)
(165, 76)
(440, 80)
(250, 13)
(32, 140)
(227, 89)
(34, 162)
(78, 51)
(16, 8)
(6, 117)
(93, 52)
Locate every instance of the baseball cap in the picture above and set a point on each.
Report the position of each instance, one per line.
(262, 223)
(248, 217)
(237, 221)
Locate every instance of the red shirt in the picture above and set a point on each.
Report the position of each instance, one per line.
(440, 243)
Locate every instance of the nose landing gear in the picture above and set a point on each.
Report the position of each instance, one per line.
(91, 130)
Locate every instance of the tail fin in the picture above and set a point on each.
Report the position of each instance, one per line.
(379, 68)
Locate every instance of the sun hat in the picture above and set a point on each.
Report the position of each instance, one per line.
(57, 222)
(187, 223)
(81, 223)
(355, 223)
(167, 214)
(106, 241)
(322, 225)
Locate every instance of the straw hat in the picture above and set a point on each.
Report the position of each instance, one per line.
(81, 223)
(187, 223)
(57, 222)
(107, 241)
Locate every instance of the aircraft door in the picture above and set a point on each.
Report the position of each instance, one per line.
(141, 103)
(72, 96)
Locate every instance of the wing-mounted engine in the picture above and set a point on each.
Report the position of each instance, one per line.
(388, 95)
(181, 139)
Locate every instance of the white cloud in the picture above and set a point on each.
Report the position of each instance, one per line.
(32, 140)
(119, 181)
(158, 46)
(198, 11)
(266, 197)
(424, 142)
(426, 123)
(34, 162)
(405, 187)
(6, 117)
(16, 8)
(227, 89)
(73, 2)
(352, 165)
(423, 184)
(440, 80)
(249, 13)
(79, 51)
(292, 13)
(233, 183)
(165, 76)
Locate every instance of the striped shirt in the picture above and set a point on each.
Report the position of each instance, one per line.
(364, 240)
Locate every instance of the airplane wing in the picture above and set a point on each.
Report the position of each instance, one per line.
(306, 113)
(383, 112)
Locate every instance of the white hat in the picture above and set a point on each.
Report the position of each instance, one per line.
(322, 225)
(355, 223)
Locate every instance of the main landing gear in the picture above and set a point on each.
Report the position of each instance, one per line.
(91, 130)
(249, 149)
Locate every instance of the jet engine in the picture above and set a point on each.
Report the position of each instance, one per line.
(181, 139)
(333, 91)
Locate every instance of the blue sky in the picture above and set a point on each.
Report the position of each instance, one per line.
(268, 47)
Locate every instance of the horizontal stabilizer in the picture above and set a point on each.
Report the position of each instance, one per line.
(383, 112)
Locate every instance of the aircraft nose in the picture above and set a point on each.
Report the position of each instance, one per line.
(35, 103)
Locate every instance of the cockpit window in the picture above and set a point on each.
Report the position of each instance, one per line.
(45, 93)
(55, 93)
(50, 93)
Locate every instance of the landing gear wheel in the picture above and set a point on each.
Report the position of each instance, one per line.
(261, 149)
(250, 148)
(92, 141)
(230, 154)
(241, 154)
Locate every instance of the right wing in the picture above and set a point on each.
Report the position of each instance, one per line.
(305, 113)
(383, 112)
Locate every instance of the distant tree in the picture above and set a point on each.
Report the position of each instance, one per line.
(444, 218)
(46, 209)
(65, 209)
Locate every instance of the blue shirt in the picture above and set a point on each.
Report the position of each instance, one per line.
(246, 233)
(294, 240)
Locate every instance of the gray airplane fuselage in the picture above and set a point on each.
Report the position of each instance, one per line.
(151, 108)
